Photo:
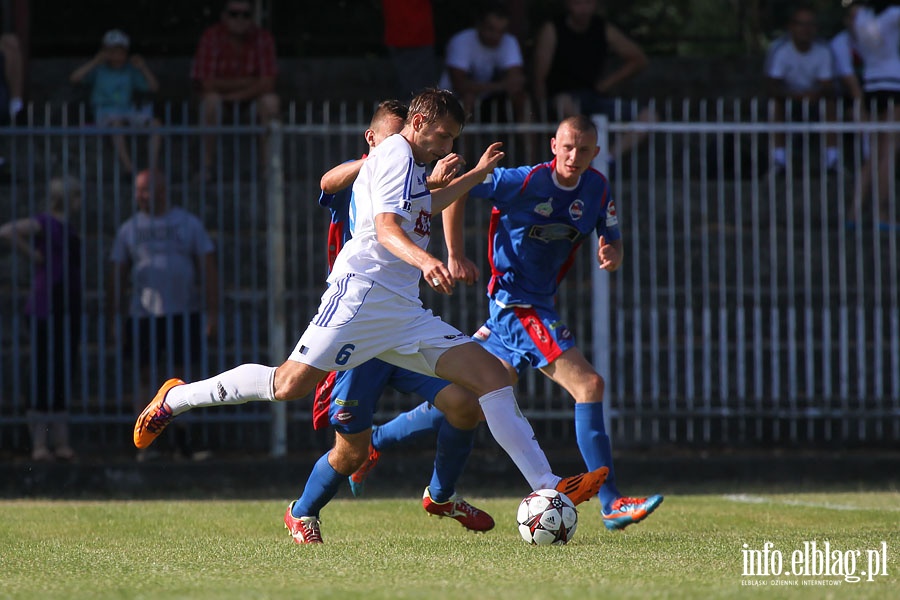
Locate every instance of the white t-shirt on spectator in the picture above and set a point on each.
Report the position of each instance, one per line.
(879, 37)
(800, 71)
(466, 53)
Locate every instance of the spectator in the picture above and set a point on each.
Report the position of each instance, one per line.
(484, 63)
(409, 38)
(12, 78)
(799, 73)
(235, 66)
(168, 257)
(54, 305)
(570, 69)
(878, 36)
(11, 82)
(848, 65)
(114, 77)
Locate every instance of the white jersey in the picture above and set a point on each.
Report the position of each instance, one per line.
(800, 71)
(390, 181)
(845, 52)
(878, 37)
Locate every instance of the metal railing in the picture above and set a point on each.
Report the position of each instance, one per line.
(746, 312)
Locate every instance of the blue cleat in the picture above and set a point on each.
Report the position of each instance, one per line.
(626, 511)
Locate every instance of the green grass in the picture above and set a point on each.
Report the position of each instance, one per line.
(388, 548)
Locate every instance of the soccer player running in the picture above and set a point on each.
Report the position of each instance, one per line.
(541, 215)
(372, 309)
(348, 399)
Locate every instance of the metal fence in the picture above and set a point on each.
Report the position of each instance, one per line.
(747, 310)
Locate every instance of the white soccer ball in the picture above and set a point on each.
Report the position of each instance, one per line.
(547, 517)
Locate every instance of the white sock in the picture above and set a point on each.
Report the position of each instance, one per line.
(245, 383)
(514, 434)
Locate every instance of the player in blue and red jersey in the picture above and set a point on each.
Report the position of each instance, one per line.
(541, 215)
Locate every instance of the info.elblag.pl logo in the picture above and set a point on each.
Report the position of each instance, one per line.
(813, 559)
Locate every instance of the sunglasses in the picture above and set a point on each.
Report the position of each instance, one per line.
(239, 14)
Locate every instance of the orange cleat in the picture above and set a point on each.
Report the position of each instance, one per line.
(581, 488)
(155, 416)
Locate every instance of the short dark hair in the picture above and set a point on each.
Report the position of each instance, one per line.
(580, 123)
(435, 104)
(492, 7)
(393, 108)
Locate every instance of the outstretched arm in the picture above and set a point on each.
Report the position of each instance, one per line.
(441, 199)
(341, 177)
(460, 267)
(388, 228)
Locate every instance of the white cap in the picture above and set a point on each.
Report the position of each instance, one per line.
(116, 37)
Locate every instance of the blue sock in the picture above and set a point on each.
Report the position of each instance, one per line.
(453, 449)
(322, 485)
(408, 426)
(590, 432)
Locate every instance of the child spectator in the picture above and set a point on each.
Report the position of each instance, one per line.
(114, 77)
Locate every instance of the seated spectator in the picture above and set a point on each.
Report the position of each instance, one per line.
(484, 63)
(114, 77)
(235, 67)
(799, 73)
(570, 70)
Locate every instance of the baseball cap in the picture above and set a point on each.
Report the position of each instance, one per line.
(116, 37)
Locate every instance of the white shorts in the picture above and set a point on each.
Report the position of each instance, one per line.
(359, 319)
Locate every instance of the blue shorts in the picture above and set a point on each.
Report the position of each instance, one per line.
(354, 397)
(524, 337)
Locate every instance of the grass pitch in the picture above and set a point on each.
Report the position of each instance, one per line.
(389, 548)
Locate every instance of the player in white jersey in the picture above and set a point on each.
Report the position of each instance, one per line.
(372, 309)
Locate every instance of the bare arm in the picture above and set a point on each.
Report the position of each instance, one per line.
(544, 49)
(445, 170)
(82, 71)
(341, 177)
(460, 267)
(633, 59)
(211, 281)
(610, 254)
(442, 198)
(18, 233)
(391, 235)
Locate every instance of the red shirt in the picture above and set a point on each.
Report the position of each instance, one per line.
(218, 57)
(408, 23)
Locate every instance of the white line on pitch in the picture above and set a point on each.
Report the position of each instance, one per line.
(751, 499)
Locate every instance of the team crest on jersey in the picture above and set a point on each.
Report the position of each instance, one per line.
(611, 219)
(545, 209)
(576, 209)
(423, 223)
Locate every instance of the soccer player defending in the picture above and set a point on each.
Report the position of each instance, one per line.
(541, 216)
(372, 309)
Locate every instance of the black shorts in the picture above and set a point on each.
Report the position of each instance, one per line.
(881, 100)
(178, 338)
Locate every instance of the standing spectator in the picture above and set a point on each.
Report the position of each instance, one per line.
(114, 77)
(11, 82)
(570, 69)
(878, 37)
(235, 66)
(54, 306)
(167, 256)
(799, 73)
(484, 63)
(848, 65)
(409, 38)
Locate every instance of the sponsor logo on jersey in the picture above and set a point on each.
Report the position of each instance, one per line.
(611, 219)
(343, 416)
(554, 231)
(576, 209)
(482, 334)
(423, 223)
(342, 402)
(545, 209)
(454, 337)
(406, 206)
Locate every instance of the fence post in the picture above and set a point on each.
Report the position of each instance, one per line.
(601, 326)
(274, 178)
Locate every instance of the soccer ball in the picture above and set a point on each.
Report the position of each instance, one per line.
(547, 517)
